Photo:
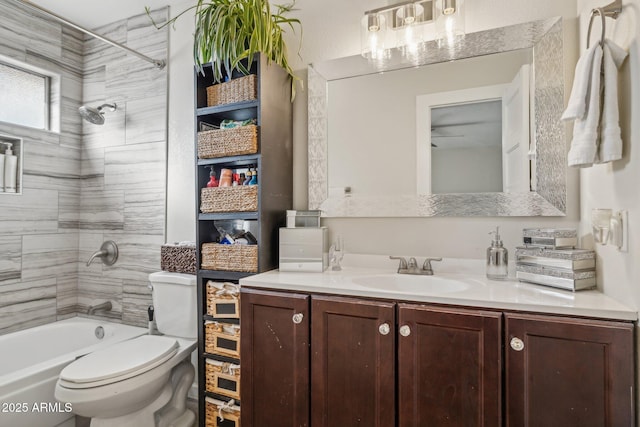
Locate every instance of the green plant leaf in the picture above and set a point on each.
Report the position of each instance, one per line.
(228, 34)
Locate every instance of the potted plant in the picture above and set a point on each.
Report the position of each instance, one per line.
(230, 31)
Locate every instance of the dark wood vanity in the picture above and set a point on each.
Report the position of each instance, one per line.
(326, 360)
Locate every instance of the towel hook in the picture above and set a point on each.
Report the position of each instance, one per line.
(612, 10)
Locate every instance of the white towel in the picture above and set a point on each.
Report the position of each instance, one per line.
(585, 128)
(577, 105)
(610, 140)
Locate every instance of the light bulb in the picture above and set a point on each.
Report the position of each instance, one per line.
(373, 34)
(449, 21)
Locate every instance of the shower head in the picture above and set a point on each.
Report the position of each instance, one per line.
(95, 115)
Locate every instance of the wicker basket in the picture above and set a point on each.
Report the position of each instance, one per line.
(242, 258)
(222, 378)
(241, 198)
(216, 408)
(223, 300)
(178, 258)
(222, 339)
(228, 142)
(235, 90)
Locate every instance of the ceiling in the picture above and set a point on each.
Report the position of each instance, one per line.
(95, 13)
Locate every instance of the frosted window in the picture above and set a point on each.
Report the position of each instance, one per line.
(23, 98)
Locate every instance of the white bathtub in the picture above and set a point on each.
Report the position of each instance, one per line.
(30, 361)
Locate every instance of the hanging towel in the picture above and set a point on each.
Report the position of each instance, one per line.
(577, 105)
(584, 108)
(610, 140)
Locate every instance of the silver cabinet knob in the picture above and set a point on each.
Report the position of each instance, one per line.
(405, 330)
(297, 318)
(517, 344)
(384, 329)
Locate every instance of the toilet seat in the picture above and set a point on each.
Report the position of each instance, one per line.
(118, 362)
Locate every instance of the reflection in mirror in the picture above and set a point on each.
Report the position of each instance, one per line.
(371, 133)
(466, 147)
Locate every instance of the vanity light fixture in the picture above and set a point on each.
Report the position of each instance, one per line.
(408, 18)
(450, 25)
(404, 20)
(374, 33)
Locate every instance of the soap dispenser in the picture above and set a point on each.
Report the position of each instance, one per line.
(497, 258)
(10, 169)
(1, 170)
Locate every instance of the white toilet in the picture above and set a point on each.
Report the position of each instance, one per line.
(144, 381)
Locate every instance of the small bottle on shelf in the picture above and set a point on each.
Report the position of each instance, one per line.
(254, 177)
(213, 182)
(248, 178)
(226, 176)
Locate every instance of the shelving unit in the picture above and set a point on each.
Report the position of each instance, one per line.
(274, 162)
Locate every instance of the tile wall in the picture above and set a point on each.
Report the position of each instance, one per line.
(86, 183)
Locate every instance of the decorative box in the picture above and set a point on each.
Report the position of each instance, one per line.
(178, 258)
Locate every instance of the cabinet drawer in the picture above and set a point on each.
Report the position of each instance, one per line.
(221, 414)
(223, 300)
(222, 339)
(223, 378)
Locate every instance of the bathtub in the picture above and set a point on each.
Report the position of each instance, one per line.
(31, 360)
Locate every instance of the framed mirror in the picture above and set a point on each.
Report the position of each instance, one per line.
(472, 129)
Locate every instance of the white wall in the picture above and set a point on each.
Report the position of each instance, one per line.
(331, 30)
(181, 203)
(616, 185)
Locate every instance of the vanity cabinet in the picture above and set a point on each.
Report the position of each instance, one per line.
(386, 363)
(275, 359)
(449, 367)
(568, 372)
(352, 362)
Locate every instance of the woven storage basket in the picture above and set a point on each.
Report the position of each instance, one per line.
(241, 198)
(178, 259)
(230, 414)
(235, 90)
(222, 339)
(223, 378)
(242, 258)
(223, 300)
(228, 142)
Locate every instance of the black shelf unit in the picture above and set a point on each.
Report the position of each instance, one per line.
(274, 161)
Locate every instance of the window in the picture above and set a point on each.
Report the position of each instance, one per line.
(25, 97)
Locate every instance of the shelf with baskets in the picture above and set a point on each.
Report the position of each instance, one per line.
(262, 144)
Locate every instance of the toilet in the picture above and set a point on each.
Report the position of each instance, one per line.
(144, 381)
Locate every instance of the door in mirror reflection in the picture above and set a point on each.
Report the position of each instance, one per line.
(475, 140)
(466, 148)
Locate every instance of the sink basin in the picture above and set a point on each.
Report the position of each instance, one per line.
(404, 283)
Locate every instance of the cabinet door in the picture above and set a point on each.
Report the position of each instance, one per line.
(274, 349)
(352, 363)
(449, 367)
(568, 372)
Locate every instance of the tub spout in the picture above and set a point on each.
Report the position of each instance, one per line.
(108, 253)
(104, 306)
(95, 254)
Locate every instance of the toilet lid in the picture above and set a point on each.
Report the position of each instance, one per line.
(120, 361)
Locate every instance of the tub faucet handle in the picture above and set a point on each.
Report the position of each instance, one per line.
(108, 252)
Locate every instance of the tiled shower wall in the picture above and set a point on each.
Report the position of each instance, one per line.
(86, 183)
(123, 167)
(39, 229)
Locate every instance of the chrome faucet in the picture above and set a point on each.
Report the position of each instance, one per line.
(103, 306)
(411, 267)
(108, 252)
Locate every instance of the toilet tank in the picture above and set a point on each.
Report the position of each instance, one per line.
(174, 303)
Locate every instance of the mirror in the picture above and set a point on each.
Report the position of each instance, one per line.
(468, 130)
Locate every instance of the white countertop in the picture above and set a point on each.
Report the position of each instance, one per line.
(480, 291)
